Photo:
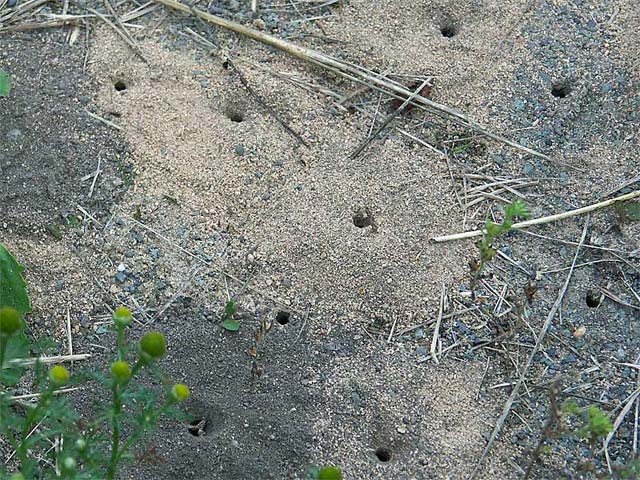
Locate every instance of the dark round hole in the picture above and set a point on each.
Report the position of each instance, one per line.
(448, 30)
(235, 116)
(593, 298)
(197, 427)
(560, 90)
(120, 86)
(383, 454)
(361, 219)
(283, 318)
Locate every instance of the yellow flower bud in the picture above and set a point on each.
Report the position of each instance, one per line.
(180, 392)
(10, 321)
(122, 317)
(120, 371)
(153, 345)
(59, 375)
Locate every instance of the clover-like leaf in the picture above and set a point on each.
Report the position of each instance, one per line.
(231, 325)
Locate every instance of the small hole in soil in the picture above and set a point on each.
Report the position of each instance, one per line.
(283, 318)
(235, 116)
(560, 90)
(361, 219)
(383, 454)
(197, 427)
(448, 30)
(593, 298)
(120, 86)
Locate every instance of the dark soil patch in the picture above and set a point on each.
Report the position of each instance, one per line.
(240, 426)
(49, 145)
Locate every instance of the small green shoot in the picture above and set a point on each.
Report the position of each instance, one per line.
(229, 323)
(324, 473)
(5, 84)
(595, 422)
(514, 210)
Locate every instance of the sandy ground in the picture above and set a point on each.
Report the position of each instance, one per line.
(220, 185)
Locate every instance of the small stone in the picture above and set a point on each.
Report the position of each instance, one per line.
(122, 267)
(419, 333)
(402, 429)
(11, 3)
(266, 196)
(14, 135)
(518, 104)
(239, 148)
(129, 253)
(528, 169)
(278, 163)
(286, 282)
(258, 24)
(499, 159)
(330, 347)
(251, 258)
(422, 351)
(84, 99)
(606, 88)
(121, 277)
(59, 285)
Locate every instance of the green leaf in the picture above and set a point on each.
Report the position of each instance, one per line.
(13, 288)
(493, 230)
(516, 209)
(629, 211)
(5, 84)
(17, 347)
(231, 325)
(230, 309)
(330, 473)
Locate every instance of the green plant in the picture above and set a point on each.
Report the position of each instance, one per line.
(90, 448)
(595, 423)
(228, 322)
(512, 211)
(323, 473)
(5, 84)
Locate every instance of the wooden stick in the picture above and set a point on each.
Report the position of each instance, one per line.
(388, 120)
(436, 330)
(542, 220)
(48, 360)
(536, 348)
(347, 70)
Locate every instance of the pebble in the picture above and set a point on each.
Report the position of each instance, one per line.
(266, 196)
(59, 285)
(419, 333)
(121, 277)
(528, 169)
(11, 3)
(84, 99)
(422, 351)
(402, 429)
(239, 148)
(330, 347)
(14, 135)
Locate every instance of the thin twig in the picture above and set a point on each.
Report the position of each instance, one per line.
(389, 119)
(543, 220)
(436, 330)
(269, 110)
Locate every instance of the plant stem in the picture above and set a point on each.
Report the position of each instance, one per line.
(115, 437)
